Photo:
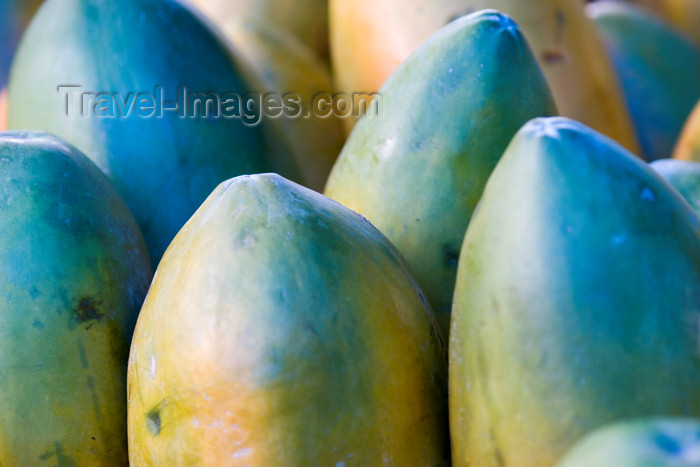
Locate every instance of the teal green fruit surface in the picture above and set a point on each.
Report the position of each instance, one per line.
(577, 300)
(659, 69)
(165, 163)
(283, 329)
(684, 176)
(639, 443)
(417, 169)
(73, 274)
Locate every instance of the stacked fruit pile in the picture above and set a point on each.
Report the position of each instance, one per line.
(498, 264)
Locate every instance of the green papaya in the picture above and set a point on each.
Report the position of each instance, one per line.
(283, 329)
(417, 166)
(576, 302)
(659, 69)
(639, 443)
(73, 274)
(684, 176)
(142, 71)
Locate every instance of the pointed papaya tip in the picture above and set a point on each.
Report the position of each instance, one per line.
(551, 127)
(502, 20)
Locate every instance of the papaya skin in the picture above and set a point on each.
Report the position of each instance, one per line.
(164, 166)
(369, 39)
(576, 302)
(688, 145)
(73, 274)
(647, 55)
(283, 329)
(280, 64)
(13, 21)
(681, 14)
(306, 20)
(684, 176)
(417, 170)
(661, 442)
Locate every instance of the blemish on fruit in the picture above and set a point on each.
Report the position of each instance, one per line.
(87, 310)
(153, 422)
(648, 195)
(450, 256)
(552, 56)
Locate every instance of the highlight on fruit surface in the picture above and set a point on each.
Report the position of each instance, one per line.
(659, 70)
(417, 170)
(283, 329)
(576, 302)
(639, 443)
(73, 274)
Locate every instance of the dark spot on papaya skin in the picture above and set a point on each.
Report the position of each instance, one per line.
(552, 56)
(87, 310)
(61, 458)
(153, 422)
(450, 256)
(499, 457)
(311, 329)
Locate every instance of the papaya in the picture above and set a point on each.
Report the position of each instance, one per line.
(661, 442)
(284, 329)
(284, 68)
(576, 303)
(416, 169)
(306, 20)
(160, 121)
(684, 176)
(369, 39)
(688, 144)
(683, 15)
(74, 272)
(13, 21)
(647, 55)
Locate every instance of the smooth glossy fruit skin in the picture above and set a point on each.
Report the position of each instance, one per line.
(576, 302)
(370, 38)
(307, 20)
(283, 329)
(417, 170)
(639, 443)
(684, 176)
(164, 166)
(659, 70)
(281, 65)
(73, 274)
